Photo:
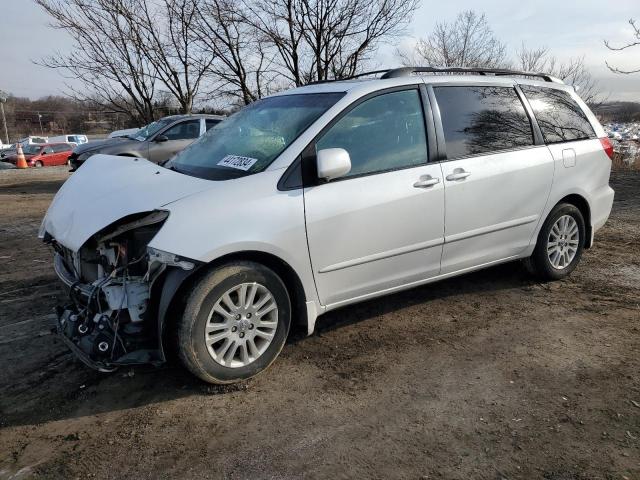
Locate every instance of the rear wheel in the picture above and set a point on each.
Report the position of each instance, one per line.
(39, 164)
(560, 244)
(235, 323)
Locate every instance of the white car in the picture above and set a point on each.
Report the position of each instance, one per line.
(74, 139)
(320, 197)
(32, 140)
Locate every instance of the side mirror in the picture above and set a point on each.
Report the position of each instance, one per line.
(333, 163)
(44, 152)
(161, 138)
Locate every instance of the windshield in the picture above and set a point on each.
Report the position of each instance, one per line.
(31, 149)
(248, 141)
(147, 132)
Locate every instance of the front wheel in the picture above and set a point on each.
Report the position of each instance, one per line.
(560, 244)
(235, 323)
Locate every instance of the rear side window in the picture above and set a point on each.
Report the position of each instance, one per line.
(383, 133)
(63, 147)
(559, 116)
(482, 119)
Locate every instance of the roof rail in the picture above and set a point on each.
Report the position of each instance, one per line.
(406, 71)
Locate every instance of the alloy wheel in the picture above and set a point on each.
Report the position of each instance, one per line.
(241, 325)
(563, 242)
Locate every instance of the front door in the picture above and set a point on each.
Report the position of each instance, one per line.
(174, 139)
(497, 181)
(381, 226)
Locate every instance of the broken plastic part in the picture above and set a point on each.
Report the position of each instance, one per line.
(167, 258)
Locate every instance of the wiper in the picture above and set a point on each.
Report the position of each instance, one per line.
(169, 166)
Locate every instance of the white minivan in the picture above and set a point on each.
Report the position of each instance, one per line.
(320, 197)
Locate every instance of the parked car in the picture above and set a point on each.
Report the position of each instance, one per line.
(74, 139)
(127, 132)
(32, 140)
(320, 197)
(7, 150)
(47, 155)
(156, 142)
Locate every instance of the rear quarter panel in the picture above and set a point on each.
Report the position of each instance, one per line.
(589, 178)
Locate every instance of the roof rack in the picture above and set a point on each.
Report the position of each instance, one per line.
(406, 71)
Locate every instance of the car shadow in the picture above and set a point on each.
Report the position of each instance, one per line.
(34, 186)
(500, 277)
(64, 388)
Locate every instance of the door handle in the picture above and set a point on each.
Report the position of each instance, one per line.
(458, 174)
(426, 182)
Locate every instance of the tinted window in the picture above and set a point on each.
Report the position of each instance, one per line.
(47, 150)
(184, 130)
(61, 148)
(479, 120)
(211, 123)
(559, 116)
(383, 133)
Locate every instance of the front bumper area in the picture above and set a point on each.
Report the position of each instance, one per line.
(103, 338)
(86, 345)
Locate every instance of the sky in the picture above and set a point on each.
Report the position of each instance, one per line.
(569, 28)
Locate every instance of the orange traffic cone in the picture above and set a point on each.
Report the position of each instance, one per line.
(21, 161)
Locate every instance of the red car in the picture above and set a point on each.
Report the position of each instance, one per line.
(44, 155)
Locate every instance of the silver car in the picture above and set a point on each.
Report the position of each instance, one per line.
(320, 197)
(157, 142)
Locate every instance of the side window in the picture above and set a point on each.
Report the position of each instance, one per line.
(47, 150)
(184, 130)
(559, 116)
(211, 123)
(478, 120)
(61, 148)
(383, 133)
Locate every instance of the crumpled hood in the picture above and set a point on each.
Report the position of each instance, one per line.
(109, 188)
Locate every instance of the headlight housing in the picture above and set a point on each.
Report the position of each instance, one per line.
(170, 259)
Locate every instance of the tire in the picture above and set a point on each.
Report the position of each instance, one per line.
(554, 260)
(39, 164)
(209, 360)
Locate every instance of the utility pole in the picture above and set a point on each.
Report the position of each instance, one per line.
(3, 99)
(40, 120)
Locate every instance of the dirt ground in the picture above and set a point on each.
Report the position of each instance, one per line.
(487, 376)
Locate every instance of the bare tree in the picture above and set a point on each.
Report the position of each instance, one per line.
(241, 65)
(633, 43)
(165, 35)
(104, 60)
(314, 40)
(573, 71)
(466, 42)
(127, 50)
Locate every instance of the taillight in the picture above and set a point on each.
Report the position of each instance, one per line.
(607, 146)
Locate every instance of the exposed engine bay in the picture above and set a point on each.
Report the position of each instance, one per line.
(110, 319)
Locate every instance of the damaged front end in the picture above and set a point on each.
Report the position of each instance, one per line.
(115, 285)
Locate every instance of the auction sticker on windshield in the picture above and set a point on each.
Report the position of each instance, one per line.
(236, 161)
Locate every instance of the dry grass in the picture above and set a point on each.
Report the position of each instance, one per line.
(621, 162)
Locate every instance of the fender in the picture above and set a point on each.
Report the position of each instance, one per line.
(174, 279)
